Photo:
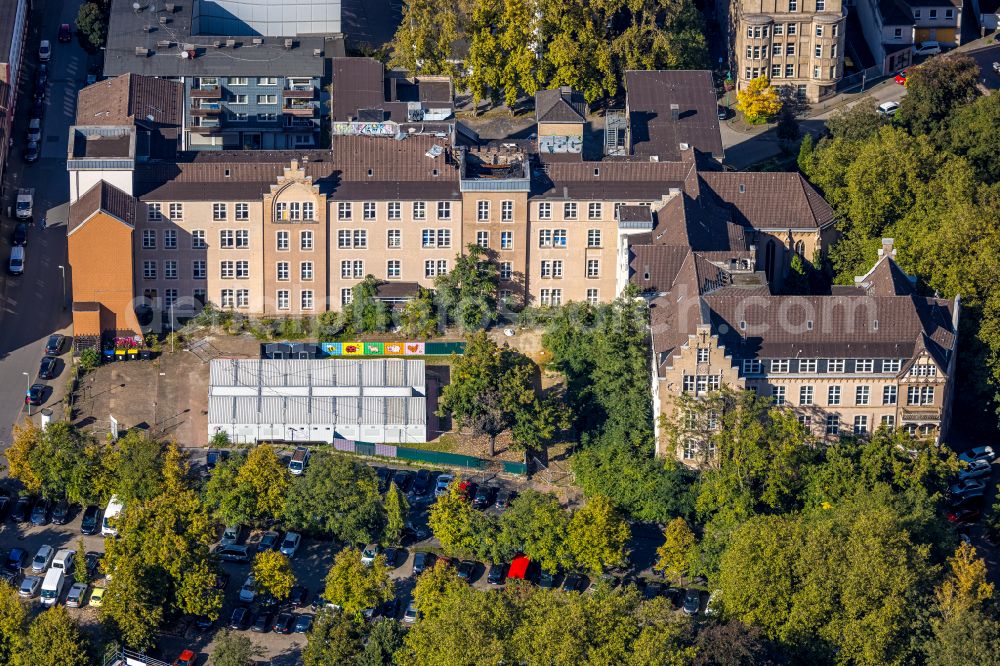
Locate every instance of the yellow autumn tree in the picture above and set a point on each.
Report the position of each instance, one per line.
(966, 586)
(759, 101)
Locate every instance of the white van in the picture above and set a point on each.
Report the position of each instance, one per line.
(16, 265)
(64, 560)
(52, 586)
(113, 510)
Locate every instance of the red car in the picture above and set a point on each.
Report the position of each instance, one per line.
(65, 33)
(901, 78)
(187, 658)
(963, 516)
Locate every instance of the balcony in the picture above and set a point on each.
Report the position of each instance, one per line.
(299, 108)
(298, 93)
(213, 92)
(202, 108)
(207, 126)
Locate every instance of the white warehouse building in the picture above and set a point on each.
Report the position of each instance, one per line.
(318, 400)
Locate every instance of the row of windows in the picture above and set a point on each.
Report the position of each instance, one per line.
(757, 52)
(830, 365)
(915, 395)
(554, 269)
(394, 210)
(213, 81)
(780, 29)
(933, 13)
(284, 210)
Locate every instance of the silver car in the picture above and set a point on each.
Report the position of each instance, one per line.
(43, 558)
(74, 599)
(30, 587)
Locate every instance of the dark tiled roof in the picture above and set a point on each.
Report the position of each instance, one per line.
(389, 290)
(203, 177)
(654, 267)
(560, 105)
(771, 200)
(635, 214)
(102, 197)
(933, 3)
(887, 279)
(357, 84)
(652, 127)
(130, 97)
(895, 12)
(613, 179)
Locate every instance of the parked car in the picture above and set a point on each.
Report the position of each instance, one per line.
(973, 498)
(54, 345)
(410, 616)
(262, 624)
(30, 587)
(214, 457)
(422, 482)
(92, 560)
(37, 109)
(422, 560)
(443, 482)
(231, 535)
(268, 541)
(284, 623)
(60, 512)
(17, 559)
(91, 521)
(546, 580)
(976, 469)
(300, 458)
(466, 570)
(47, 368)
(41, 78)
(504, 498)
(241, 618)
(20, 237)
(960, 516)
(76, 594)
(927, 48)
(97, 596)
(35, 395)
(65, 33)
(290, 543)
(978, 453)
(303, 623)
(40, 514)
(483, 497)
(12, 578)
(248, 592)
(297, 597)
(573, 582)
(43, 558)
(652, 589)
(186, 658)
(204, 622)
(233, 553)
(888, 109)
(497, 574)
(370, 552)
(22, 509)
(403, 480)
(391, 557)
(901, 78)
(692, 602)
(967, 486)
(44, 50)
(31, 152)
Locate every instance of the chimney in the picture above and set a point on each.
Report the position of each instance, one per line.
(675, 112)
(887, 248)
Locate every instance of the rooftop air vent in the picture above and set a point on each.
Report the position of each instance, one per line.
(289, 43)
(317, 52)
(169, 7)
(164, 20)
(142, 52)
(684, 146)
(230, 43)
(675, 112)
(217, 43)
(164, 43)
(257, 41)
(743, 188)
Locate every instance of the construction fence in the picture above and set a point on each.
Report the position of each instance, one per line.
(424, 456)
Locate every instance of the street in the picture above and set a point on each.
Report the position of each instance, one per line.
(31, 305)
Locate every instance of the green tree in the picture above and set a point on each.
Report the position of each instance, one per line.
(232, 649)
(90, 24)
(969, 131)
(334, 639)
(597, 536)
(384, 639)
(272, 574)
(734, 643)
(935, 88)
(355, 586)
(676, 556)
(54, 639)
(58, 460)
(858, 122)
(135, 467)
(970, 637)
(576, 52)
(396, 510)
(536, 525)
(426, 37)
(519, 62)
(797, 281)
(462, 530)
(485, 58)
(13, 620)
(248, 489)
(338, 496)
(467, 293)
(417, 318)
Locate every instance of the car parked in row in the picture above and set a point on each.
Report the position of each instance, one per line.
(290, 544)
(90, 523)
(978, 453)
(21, 513)
(43, 558)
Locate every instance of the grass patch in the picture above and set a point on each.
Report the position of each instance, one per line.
(444, 444)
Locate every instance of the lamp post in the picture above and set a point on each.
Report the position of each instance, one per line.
(62, 270)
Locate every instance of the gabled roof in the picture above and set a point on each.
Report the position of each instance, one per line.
(771, 200)
(102, 197)
(886, 278)
(129, 98)
(560, 105)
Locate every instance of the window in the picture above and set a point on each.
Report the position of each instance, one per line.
(789, 49)
(428, 238)
(148, 239)
(889, 395)
(833, 50)
(557, 268)
(916, 13)
(242, 238)
(283, 272)
(557, 297)
(779, 395)
(746, 73)
(237, 80)
(569, 211)
(483, 239)
(550, 296)
(949, 13)
(281, 210)
(592, 296)
(227, 270)
(267, 99)
(897, 33)
(442, 267)
(242, 212)
(344, 239)
(283, 299)
(282, 240)
(444, 237)
(805, 395)
(344, 210)
(690, 449)
(808, 365)
(360, 238)
(149, 270)
(779, 30)
(920, 395)
(267, 117)
(703, 353)
(170, 269)
(818, 51)
(345, 269)
(200, 295)
(242, 270)
(544, 238)
(482, 210)
(833, 424)
(394, 238)
(308, 210)
(820, 5)
(306, 299)
(419, 210)
(862, 395)
(594, 238)
(227, 299)
(154, 212)
(594, 268)
(506, 211)
(368, 210)
(889, 421)
(218, 211)
(240, 117)
(791, 29)
(544, 211)
(176, 211)
(835, 365)
(359, 268)
(294, 210)
(505, 271)
(833, 395)
(306, 271)
(506, 240)
(444, 210)
(227, 238)
(860, 424)
(242, 298)
(864, 365)
(806, 421)
(793, 5)
(199, 270)
(558, 238)
(932, 13)
(306, 240)
(393, 210)
(819, 31)
(594, 211)
(779, 365)
(924, 370)
(546, 269)
(688, 383)
(751, 367)
(346, 296)
(267, 81)
(430, 269)
(789, 70)
(775, 71)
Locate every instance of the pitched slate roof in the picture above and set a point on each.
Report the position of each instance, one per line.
(560, 105)
(102, 197)
(766, 200)
(131, 97)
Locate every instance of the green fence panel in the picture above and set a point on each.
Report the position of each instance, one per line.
(440, 458)
(364, 448)
(515, 468)
(444, 348)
